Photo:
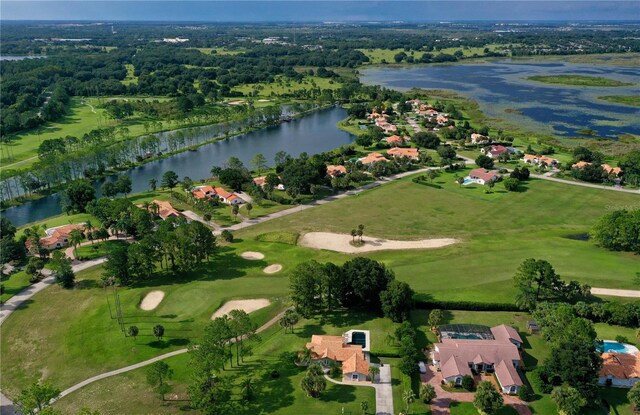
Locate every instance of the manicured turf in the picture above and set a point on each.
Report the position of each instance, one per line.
(97, 249)
(577, 80)
(467, 408)
(497, 232)
(284, 86)
(13, 284)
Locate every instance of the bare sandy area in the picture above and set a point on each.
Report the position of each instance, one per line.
(252, 255)
(272, 269)
(246, 305)
(341, 243)
(616, 293)
(151, 300)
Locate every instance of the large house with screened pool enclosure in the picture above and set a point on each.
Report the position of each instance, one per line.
(351, 350)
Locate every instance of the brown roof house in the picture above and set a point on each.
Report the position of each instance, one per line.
(620, 369)
(411, 153)
(456, 358)
(351, 350)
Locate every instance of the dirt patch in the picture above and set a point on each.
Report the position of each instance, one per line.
(252, 255)
(342, 243)
(246, 305)
(151, 300)
(272, 269)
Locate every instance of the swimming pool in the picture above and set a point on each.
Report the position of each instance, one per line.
(610, 346)
(468, 181)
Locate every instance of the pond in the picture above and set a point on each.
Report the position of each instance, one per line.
(314, 133)
(502, 90)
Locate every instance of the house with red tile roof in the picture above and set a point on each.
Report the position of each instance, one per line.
(351, 350)
(539, 160)
(336, 170)
(456, 358)
(165, 210)
(620, 369)
(260, 181)
(394, 140)
(617, 171)
(482, 176)
(57, 237)
(411, 153)
(479, 139)
(205, 192)
(372, 158)
(494, 151)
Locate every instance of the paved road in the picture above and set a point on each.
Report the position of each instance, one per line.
(616, 293)
(6, 406)
(384, 391)
(194, 216)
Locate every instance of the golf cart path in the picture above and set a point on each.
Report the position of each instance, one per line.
(384, 391)
(96, 378)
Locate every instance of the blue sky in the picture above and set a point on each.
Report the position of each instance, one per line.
(315, 11)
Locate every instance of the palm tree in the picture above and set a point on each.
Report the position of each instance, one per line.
(75, 238)
(353, 235)
(408, 397)
(88, 228)
(373, 372)
(153, 183)
(234, 210)
(247, 388)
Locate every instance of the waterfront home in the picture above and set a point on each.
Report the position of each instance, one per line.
(206, 192)
(619, 369)
(616, 171)
(394, 140)
(351, 350)
(411, 153)
(203, 192)
(336, 170)
(57, 237)
(372, 158)
(482, 176)
(164, 209)
(493, 352)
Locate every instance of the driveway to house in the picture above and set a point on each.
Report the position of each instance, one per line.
(440, 405)
(384, 392)
(194, 216)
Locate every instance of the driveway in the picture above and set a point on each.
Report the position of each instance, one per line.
(384, 392)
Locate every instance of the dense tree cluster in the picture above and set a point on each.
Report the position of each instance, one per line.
(618, 231)
(360, 282)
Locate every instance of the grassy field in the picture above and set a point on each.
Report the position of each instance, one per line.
(13, 284)
(97, 250)
(497, 231)
(377, 56)
(467, 408)
(284, 86)
(82, 117)
(631, 100)
(131, 77)
(577, 80)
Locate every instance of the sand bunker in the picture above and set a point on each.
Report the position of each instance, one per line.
(246, 305)
(272, 269)
(252, 256)
(341, 243)
(151, 300)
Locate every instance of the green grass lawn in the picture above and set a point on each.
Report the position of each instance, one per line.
(83, 116)
(283, 86)
(131, 77)
(577, 80)
(13, 284)
(467, 408)
(497, 231)
(97, 250)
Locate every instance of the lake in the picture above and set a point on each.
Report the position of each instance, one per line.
(314, 133)
(19, 58)
(501, 84)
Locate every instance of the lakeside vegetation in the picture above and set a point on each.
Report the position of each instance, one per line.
(631, 100)
(578, 80)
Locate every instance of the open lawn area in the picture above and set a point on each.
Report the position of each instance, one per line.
(467, 408)
(497, 232)
(13, 284)
(83, 115)
(286, 86)
(97, 249)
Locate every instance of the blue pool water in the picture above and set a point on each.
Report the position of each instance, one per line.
(468, 336)
(613, 347)
(467, 181)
